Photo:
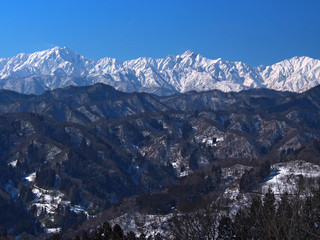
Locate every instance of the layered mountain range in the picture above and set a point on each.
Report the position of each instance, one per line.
(61, 67)
(68, 154)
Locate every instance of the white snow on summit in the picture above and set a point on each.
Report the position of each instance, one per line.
(56, 61)
(60, 67)
(297, 74)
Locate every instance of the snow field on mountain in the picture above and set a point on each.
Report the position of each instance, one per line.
(61, 67)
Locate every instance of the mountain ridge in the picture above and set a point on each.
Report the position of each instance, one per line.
(69, 154)
(60, 67)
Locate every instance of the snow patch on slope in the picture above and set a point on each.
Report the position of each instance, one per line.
(151, 225)
(286, 176)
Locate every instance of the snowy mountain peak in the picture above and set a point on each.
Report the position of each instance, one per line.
(297, 62)
(188, 53)
(184, 72)
(64, 53)
(56, 61)
(296, 74)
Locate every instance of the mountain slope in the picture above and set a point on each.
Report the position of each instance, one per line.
(297, 74)
(61, 67)
(71, 153)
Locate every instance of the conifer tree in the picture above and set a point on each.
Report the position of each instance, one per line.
(268, 220)
(117, 233)
(225, 228)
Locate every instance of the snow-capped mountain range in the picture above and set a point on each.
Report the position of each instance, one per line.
(61, 67)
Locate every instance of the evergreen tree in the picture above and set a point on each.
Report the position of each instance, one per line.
(268, 220)
(284, 217)
(142, 236)
(106, 230)
(131, 236)
(269, 205)
(254, 219)
(241, 225)
(117, 233)
(85, 236)
(225, 228)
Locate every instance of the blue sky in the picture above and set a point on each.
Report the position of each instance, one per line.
(256, 32)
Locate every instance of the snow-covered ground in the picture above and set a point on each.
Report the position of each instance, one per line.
(30, 177)
(232, 195)
(53, 230)
(13, 163)
(47, 202)
(151, 225)
(284, 178)
(287, 176)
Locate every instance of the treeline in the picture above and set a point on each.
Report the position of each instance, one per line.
(292, 217)
(287, 216)
(253, 177)
(106, 232)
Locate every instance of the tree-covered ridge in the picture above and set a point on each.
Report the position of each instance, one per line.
(289, 216)
(68, 155)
